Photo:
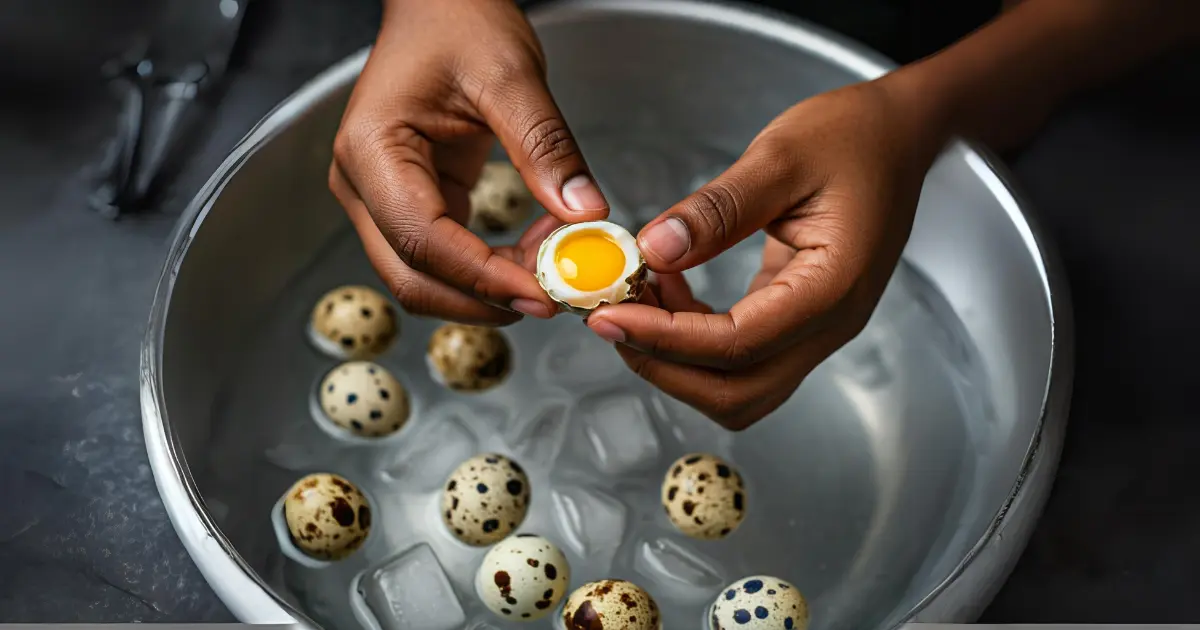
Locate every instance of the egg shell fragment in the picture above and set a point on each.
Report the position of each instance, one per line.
(485, 499)
(759, 602)
(611, 605)
(500, 201)
(523, 578)
(628, 289)
(353, 322)
(328, 517)
(704, 496)
(364, 399)
(469, 358)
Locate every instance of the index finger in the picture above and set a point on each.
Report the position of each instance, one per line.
(394, 175)
(796, 304)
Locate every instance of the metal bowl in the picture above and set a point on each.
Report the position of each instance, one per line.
(900, 483)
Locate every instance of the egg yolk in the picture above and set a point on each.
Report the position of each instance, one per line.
(589, 261)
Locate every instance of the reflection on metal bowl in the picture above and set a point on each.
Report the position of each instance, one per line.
(900, 483)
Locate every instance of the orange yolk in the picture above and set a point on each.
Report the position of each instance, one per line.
(589, 261)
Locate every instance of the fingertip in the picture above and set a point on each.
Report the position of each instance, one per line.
(663, 243)
(581, 195)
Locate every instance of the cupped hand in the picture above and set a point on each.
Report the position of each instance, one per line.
(444, 80)
(834, 181)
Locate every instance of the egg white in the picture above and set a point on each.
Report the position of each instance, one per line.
(558, 289)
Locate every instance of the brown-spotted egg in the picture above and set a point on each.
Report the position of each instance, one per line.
(469, 358)
(327, 517)
(583, 266)
(353, 322)
(485, 499)
(611, 605)
(500, 201)
(364, 399)
(523, 578)
(759, 602)
(704, 496)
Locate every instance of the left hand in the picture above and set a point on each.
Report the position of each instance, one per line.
(834, 181)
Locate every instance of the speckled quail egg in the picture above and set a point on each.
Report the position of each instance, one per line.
(364, 399)
(353, 322)
(704, 496)
(469, 358)
(485, 499)
(611, 605)
(582, 266)
(500, 200)
(759, 602)
(327, 517)
(523, 577)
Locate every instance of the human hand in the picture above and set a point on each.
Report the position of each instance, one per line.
(834, 181)
(442, 78)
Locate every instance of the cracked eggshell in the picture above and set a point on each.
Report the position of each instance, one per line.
(523, 578)
(704, 496)
(759, 602)
(469, 358)
(611, 605)
(364, 399)
(353, 322)
(628, 288)
(485, 499)
(327, 517)
(500, 201)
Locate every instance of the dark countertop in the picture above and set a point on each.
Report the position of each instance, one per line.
(84, 537)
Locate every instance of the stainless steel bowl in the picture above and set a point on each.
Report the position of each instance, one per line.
(900, 483)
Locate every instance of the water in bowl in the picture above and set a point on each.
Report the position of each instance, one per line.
(848, 484)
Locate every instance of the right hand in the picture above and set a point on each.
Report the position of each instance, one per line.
(443, 77)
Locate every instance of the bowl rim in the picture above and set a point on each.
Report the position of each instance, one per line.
(236, 582)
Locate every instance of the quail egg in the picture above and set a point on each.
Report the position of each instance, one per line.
(327, 517)
(353, 322)
(485, 499)
(523, 577)
(759, 602)
(611, 605)
(704, 496)
(500, 200)
(469, 358)
(364, 399)
(582, 266)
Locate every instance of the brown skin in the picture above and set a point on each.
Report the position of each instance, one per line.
(834, 181)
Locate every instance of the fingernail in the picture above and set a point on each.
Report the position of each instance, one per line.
(608, 331)
(532, 308)
(668, 240)
(581, 194)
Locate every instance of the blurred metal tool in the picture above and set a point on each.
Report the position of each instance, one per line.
(187, 55)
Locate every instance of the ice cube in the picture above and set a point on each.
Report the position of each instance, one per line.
(412, 592)
(437, 447)
(620, 434)
(539, 439)
(579, 359)
(592, 522)
(677, 569)
(690, 429)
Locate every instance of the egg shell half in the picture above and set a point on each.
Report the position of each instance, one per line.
(759, 602)
(485, 499)
(704, 496)
(327, 516)
(611, 605)
(629, 288)
(364, 399)
(523, 578)
(353, 322)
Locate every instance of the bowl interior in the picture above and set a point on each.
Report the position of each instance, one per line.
(866, 490)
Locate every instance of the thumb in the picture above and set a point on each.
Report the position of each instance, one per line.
(529, 125)
(756, 190)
